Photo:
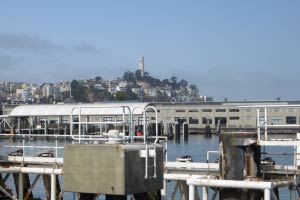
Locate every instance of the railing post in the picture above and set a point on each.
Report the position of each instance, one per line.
(266, 124)
(258, 125)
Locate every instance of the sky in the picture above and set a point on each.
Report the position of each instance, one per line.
(234, 49)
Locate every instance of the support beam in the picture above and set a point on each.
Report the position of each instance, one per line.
(191, 192)
(267, 194)
(29, 191)
(205, 193)
(21, 186)
(53, 187)
(8, 194)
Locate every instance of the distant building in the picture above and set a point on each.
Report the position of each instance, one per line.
(48, 90)
(23, 95)
(122, 87)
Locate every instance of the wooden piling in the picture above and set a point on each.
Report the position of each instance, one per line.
(239, 160)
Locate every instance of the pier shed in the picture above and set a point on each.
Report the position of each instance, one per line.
(56, 118)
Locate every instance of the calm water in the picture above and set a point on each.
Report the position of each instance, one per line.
(197, 146)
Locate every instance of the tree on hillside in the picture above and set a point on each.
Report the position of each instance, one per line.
(173, 79)
(183, 83)
(98, 79)
(194, 90)
(79, 92)
(138, 75)
(129, 76)
(166, 82)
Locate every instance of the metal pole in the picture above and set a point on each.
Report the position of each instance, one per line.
(19, 125)
(205, 193)
(266, 124)
(191, 192)
(267, 194)
(298, 151)
(46, 121)
(21, 186)
(53, 186)
(258, 128)
(79, 124)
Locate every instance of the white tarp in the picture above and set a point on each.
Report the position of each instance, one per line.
(86, 109)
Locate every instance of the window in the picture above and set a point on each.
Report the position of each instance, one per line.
(275, 109)
(119, 119)
(193, 110)
(108, 119)
(276, 120)
(248, 110)
(180, 110)
(234, 110)
(168, 110)
(181, 120)
(247, 126)
(153, 118)
(234, 118)
(247, 118)
(290, 110)
(206, 120)
(207, 110)
(262, 120)
(222, 120)
(291, 120)
(220, 110)
(141, 120)
(193, 120)
(168, 118)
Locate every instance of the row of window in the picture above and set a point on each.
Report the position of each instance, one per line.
(276, 120)
(232, 110)
(205, 110)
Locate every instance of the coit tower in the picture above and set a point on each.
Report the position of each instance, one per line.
(142, 65)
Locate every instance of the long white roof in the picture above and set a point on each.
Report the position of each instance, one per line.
(86, 109)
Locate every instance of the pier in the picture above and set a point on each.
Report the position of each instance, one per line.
(117, 163)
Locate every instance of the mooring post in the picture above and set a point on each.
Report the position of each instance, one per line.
(21, 186)
(177, 131)
(185, 131)
(239, 159)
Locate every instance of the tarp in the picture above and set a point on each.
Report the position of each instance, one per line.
(86, 109)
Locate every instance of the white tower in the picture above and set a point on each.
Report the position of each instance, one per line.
(142, 65)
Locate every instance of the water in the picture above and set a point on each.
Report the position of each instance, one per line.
(197, 147)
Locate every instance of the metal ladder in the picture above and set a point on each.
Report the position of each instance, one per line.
(149, 154)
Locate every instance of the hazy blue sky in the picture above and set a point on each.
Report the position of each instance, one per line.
(235, 49)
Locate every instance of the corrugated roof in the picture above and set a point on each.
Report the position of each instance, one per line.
(86, 109)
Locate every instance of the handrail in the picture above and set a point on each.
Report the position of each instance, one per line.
(93, 138)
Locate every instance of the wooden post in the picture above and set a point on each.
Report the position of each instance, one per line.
(239, 159)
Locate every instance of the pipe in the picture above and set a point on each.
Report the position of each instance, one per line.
(231, 184)
(31, 170)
